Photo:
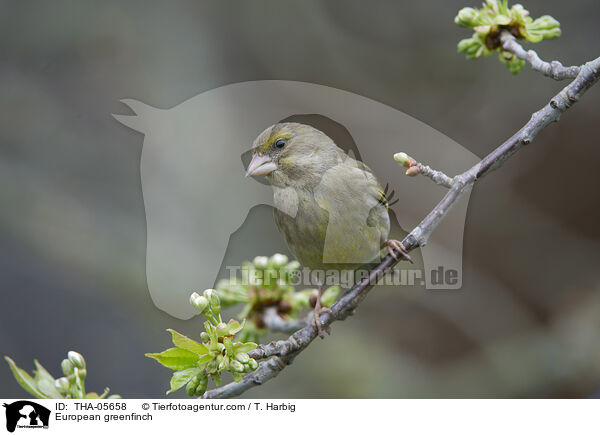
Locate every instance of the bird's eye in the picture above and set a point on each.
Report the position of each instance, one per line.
(280, 143)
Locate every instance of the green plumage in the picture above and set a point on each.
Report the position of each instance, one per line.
(330, 208)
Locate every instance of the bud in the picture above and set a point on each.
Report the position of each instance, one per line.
(544, 27)
(204, 337)
(81, 373)
(412, 171)
(242, 357)
(223, 365)
(67, 367)
(236, 366)
(191, 386)
(213, 300)
(199, 302)
(278, 260)
(211, 366)
(201, 388)
(62, 385)
(261, 262)
(284, 307)
(76, 359)
(252, 364)
(467, 17)
(404, 160)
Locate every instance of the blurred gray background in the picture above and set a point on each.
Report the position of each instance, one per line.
(72, 226)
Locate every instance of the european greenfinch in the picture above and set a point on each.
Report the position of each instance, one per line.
(329, 207)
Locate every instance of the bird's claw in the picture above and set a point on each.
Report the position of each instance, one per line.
(395, 245)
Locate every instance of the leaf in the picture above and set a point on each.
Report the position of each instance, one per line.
(175, 358)
(244, 347)
(25, 380)
(45, 381)
(234, 326)
(182, 377)
(205, 359)
(187, 343)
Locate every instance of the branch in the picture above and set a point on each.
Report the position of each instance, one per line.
(416, 168)
(274, 323)
(555, 70)
(279, 354)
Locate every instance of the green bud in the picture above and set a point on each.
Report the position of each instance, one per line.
(213, 300)
(261, 262)
(223, 365)
(473, 47)
(545, 27)
(191, 386)
(252, 364)
(519, 14)
(199, 302)
(236, 366)
(242, 357)
(212, 366)
(80, 373)
(204, 337)
(76, 359)
(62, 384)
(67, 367)
(201, 388)
(467, 17)
(278, 260)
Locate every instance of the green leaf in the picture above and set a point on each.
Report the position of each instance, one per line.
(182, 377)
(234, 326)
(187, 343)
(45, 381)
(25, 380)
(244, 347)
(175, 358)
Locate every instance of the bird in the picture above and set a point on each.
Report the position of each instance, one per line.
(329, 207)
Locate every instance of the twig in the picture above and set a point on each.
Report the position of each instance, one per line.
(416, 168)
(281, 353)
(274, 323)
(555, 69)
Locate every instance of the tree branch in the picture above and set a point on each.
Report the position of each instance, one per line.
(274, 323)
(555, 70)
(279, 354)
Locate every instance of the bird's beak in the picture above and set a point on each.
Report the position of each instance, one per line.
(260, 165)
